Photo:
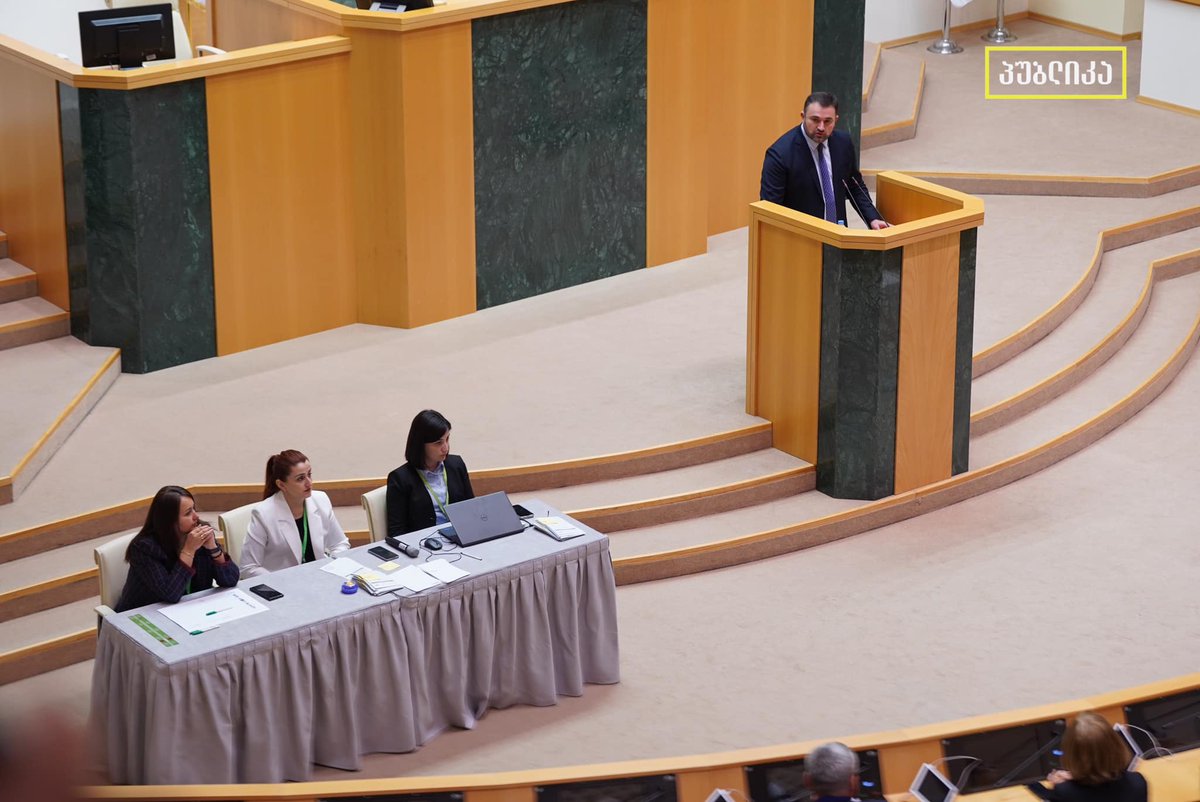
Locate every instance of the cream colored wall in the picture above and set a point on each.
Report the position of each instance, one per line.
(1115, 16)
(888, 20)
(1169, 52)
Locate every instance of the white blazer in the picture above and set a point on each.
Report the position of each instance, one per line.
(272, 541)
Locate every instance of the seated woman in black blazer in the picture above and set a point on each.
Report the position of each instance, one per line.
(174, 554)
(1094, 766)
(431, 478)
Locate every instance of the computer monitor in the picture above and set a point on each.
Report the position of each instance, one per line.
(126, 36)
(930, 786)
(1173, 720)
(1011, 756)
(393, 5)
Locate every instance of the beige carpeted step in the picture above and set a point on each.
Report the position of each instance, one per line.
(48, 624)
(711, 528)
(1119, 283)
(895, 100)
(60, 381)
(1173, 310)
(16, 281)
(871, 58)
(31, 320)
(667, 483)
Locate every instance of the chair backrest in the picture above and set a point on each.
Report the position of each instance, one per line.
(110, 559)
(375, 504)
(234, 525)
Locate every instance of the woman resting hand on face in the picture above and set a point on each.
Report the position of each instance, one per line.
(174, 554)
(293, 523)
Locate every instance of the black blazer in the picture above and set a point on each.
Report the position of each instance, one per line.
(409, 506)
(790, 178)
(155, 576)
(1130, 787)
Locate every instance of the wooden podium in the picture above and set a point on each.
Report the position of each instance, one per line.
(859, 342)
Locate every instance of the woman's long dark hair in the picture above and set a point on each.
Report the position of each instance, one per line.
(161, 521)
(279, 466)
(427, 427)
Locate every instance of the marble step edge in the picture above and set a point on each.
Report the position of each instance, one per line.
(898, 130)
(872, 515)
(79, 646)
(1016, 406)
(1110, 239)
(347, 492)
(53, 438)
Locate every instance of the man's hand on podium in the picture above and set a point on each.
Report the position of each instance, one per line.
(879, 224)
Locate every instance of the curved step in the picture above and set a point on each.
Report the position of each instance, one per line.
(347, 492)
(1015, 406)
(897, 100)
(740, 549)
(1110, 239)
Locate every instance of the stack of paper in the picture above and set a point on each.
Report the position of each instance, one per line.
(413, 577)
(213, 610)
(558, 528)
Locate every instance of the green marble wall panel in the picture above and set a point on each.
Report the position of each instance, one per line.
(963, 349)
(139, 222)
(838, 28)
(74, 208)
(560, 146)
(860, 337)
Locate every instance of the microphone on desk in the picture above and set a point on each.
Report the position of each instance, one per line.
(397, 543)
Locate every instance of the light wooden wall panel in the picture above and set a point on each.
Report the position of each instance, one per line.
(414, 175)
(249, 23)
(279, 155)
(901, 204)
(759, 72)
(925, 380)
(784, 331)
(677, 135)
(31, 178)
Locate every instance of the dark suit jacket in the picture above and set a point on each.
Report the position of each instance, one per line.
(1130, 787)
(409, 506)
(155, 576)
(790, 178)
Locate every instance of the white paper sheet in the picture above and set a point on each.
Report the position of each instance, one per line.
(343, 567)
(440, 569)
(415, 579)
(212, 611)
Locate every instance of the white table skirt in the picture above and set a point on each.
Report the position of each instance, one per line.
(385, 677)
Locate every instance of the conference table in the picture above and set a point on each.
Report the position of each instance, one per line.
(325, 677)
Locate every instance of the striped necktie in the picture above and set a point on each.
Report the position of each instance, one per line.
(826, 185)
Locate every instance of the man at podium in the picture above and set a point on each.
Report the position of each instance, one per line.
(813, 168)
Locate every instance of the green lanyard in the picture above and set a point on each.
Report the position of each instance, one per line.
(304, 541)
(441, 504)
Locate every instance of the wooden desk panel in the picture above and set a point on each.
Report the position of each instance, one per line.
(31, 177)
(279, 155)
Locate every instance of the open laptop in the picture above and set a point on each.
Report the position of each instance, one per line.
(481, 518)
(931, 786)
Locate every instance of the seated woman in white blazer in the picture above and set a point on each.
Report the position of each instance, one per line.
(293, 523)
